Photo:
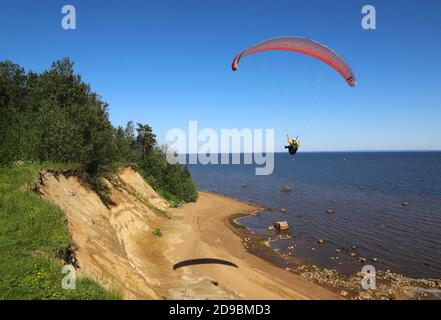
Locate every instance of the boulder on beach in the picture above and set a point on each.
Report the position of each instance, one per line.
(282, 225)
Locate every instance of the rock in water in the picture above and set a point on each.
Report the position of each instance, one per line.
(321, 241)
(405, 203)
(329, 211)
(286, 189)
(282, 225)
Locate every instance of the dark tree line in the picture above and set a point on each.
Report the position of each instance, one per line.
(54, 116)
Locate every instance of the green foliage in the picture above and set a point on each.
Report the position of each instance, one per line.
(157, 232)
(33, 236)
(146, 139)
(172, 181)
(54, 116)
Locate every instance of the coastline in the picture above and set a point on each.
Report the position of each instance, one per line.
(204, 230)
(212, 231)
(120, 247)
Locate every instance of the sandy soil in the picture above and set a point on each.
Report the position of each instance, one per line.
(117, 245)
(202, 230)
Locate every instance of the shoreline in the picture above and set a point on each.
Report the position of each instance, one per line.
(330, 283)
(120, 246)
(204, 230)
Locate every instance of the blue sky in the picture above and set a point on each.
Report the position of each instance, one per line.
(168, 62)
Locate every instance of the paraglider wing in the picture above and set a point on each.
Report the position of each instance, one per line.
(305, 46)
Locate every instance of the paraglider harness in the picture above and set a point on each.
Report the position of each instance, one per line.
(293, 145)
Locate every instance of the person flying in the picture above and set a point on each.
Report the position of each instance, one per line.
(293, 145)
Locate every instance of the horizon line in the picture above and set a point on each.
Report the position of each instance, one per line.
(332, 151)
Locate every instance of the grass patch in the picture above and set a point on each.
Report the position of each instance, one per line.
(158, 211)
(157, 232)
(33, 237)
(145, 201)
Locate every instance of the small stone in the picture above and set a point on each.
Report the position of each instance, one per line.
(270, 228)
(337, 250)
(329, 211)
(343, 293)
(321, 241)
(283, 210)
(353, 254)
(374, 259)
(362, 259)
(354, 247)
(286, 189)
(405, 203)
(313, 249)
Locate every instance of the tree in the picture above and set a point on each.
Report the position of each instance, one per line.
(146, 139)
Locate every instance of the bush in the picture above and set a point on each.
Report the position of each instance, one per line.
(172, 181)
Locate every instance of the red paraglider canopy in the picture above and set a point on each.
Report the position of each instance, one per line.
(305, 46)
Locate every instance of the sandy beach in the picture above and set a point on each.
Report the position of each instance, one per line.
(119, 247)
(133, 245)
(203, 230)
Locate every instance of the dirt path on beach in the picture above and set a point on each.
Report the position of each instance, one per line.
(202, 230)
